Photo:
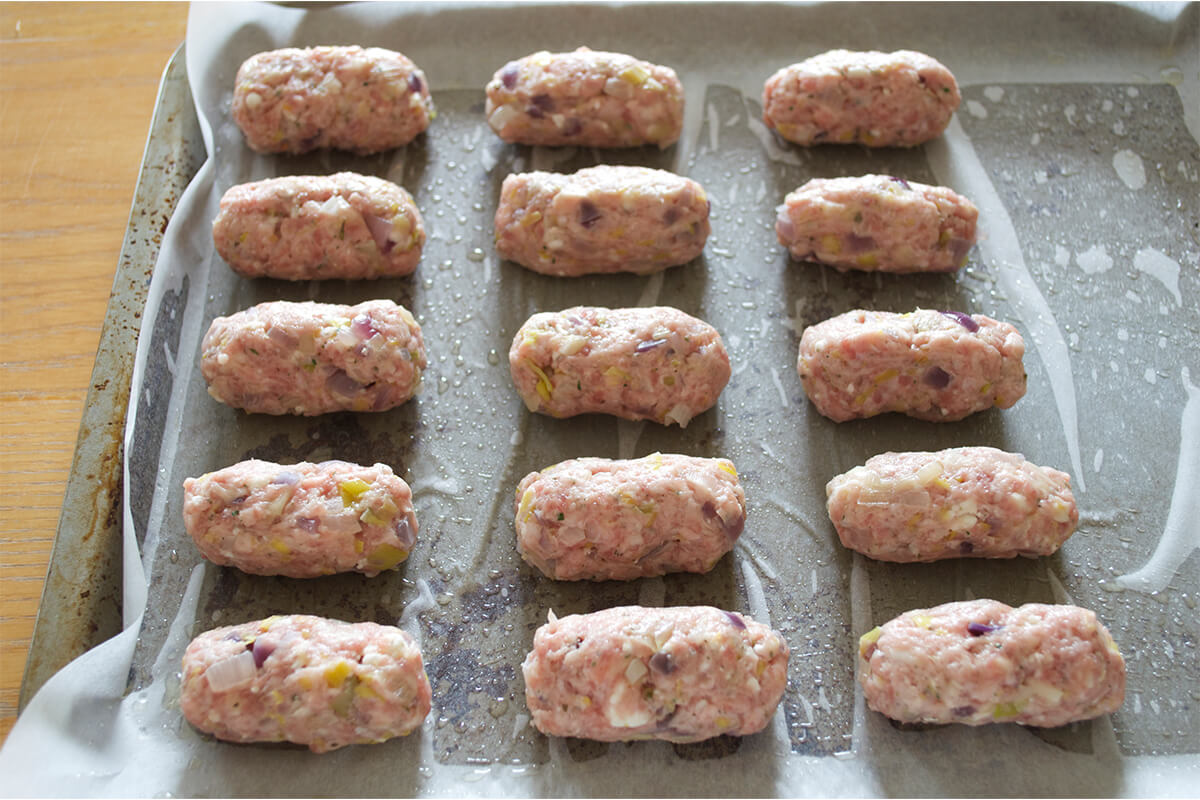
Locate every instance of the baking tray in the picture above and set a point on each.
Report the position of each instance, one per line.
(1054, 163)
(81, 598)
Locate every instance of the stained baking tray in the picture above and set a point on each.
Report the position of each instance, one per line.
(1054, 164)
(81, 599)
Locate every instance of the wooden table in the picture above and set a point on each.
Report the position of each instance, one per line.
(78, 88)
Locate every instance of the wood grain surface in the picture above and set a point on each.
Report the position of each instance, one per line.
(77, 90)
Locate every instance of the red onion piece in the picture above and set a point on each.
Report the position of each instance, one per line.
(980, 628)
(589, 215)
(362, 326)
(283, 337)
(261, 651)
(962, 319)
(404, 533)
(286, 478)
(671, 217)
(573, 127)
(380, 230)
(650, 345)
(735, 620)
(535, 112)
(662, 663)
(415, 83)
(231, 673)
(342, 384)
(859, 244)
(308, 524)
(543, 102)
(959, 249)
(936, 377)
(901, 181)
(509, 77)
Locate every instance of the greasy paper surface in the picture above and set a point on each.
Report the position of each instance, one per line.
(1077, 146)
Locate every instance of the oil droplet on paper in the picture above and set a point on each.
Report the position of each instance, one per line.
(994, 93)
(1172, 74)
(1095, 259)
(1162, 268)
(976, 109)
(1130, 170)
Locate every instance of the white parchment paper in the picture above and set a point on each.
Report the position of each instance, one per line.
(1076, 138)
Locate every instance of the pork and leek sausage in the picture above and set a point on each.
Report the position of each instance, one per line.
(308, 680)
(898, 99)
(347, 98)
(653, 363)
(314, 358)
(601, 219)
(681, 674)
(877, 223)
(938, 366)
(313, 227)
(301, 520)
(599, 519)
(963, 502)
(981, 661)
(585, 98)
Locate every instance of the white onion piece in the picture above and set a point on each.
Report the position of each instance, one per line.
(615, 87)
(681, 413)
(573, 344)
(231, 673)
(915, 497)
(784, 225)
(502, 116)
(929, 473)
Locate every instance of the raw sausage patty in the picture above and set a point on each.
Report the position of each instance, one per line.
(306, 227)
(585, 98)
(963, 502)
(637, 363)
(309, 680)
(682, 674)
(981, 661)
(601, 219)
(599, 519)
(347, 98)
(898, 99)
(314, 358)
(938, 366)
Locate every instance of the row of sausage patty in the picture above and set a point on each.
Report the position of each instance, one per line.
(367, 100)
